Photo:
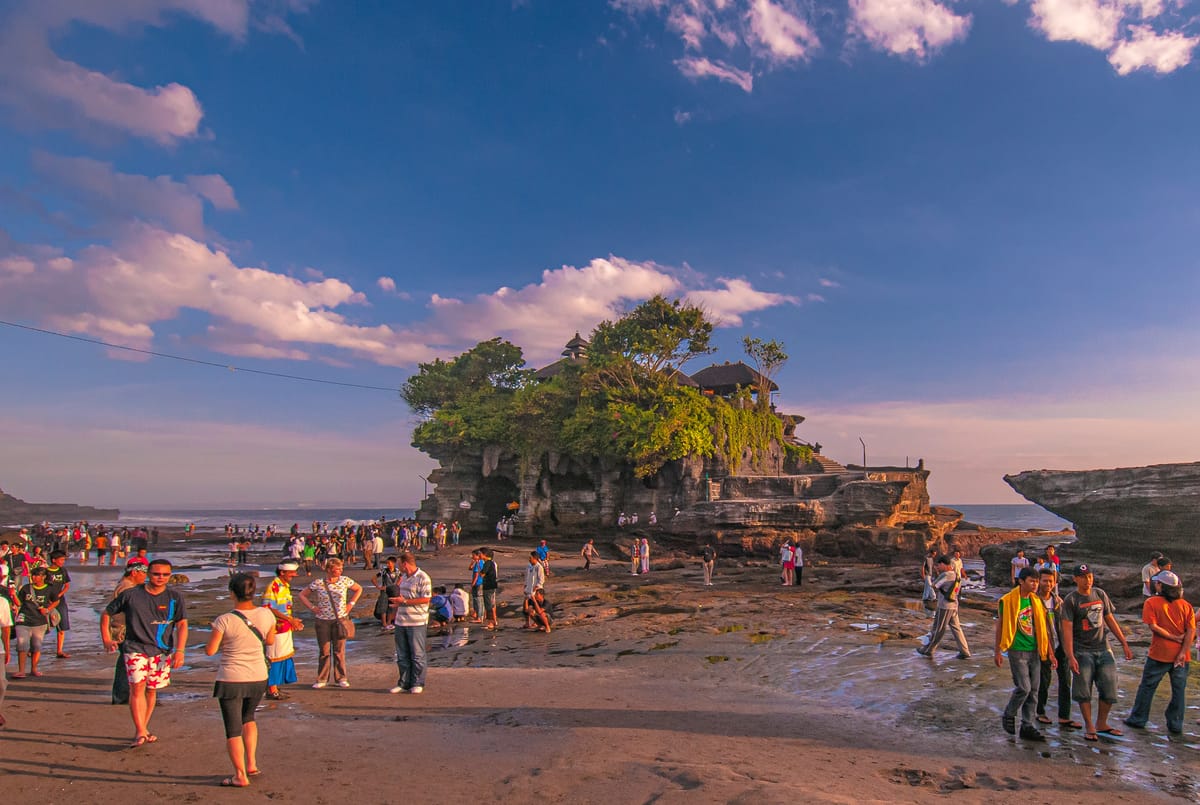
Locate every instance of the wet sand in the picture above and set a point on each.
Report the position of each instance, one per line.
(650, 689)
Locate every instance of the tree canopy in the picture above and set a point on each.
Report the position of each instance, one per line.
(623, 402)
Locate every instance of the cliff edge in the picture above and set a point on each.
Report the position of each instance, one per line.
(16, 512)
(1126, 512)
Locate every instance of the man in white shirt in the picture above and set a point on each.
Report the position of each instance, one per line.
(535, 578)
(412, 623)
(1148, 572)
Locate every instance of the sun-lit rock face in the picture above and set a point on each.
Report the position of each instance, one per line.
(1126, 512)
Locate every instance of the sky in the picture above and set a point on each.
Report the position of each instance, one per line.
(972, 225)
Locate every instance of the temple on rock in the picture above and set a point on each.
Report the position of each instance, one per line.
(749, 504)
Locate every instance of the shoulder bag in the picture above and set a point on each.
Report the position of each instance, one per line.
(345, 626)
(258, 634)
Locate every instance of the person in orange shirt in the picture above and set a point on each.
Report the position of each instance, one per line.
(1172, 623)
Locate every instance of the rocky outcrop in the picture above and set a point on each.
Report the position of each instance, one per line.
(1125, 512)
(876, 514)
(15, 512)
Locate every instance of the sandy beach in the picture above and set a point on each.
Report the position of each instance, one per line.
(650, 689)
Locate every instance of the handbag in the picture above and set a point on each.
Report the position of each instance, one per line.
(345, 626)
(55, 618)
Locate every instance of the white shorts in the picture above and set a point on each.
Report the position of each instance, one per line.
(5, 613)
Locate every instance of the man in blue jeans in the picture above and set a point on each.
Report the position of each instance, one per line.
(1172, 623)
(1023, 630)
(1085, 619)
(412, 623)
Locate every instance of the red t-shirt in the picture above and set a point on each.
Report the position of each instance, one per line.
(1174, 616)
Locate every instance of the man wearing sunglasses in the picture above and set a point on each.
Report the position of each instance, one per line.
(155, 639)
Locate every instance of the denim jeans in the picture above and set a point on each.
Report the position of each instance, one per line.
(1152, 674)
(410, 656)
(1026, 668)
(1064, 685)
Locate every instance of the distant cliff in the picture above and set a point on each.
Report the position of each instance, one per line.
(1127, 512)
(14, 511)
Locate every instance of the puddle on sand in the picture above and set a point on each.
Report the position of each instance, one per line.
(966, 697)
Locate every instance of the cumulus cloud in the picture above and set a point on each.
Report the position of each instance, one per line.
(727, 304)
(386, 284)
(1090, 22)
(781, 33)
(825, 282)
(1145, 49)
(129, 292)
(47, 90)
(109, 197)
(916, 28)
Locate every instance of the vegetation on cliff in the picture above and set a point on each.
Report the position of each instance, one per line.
(624, 402)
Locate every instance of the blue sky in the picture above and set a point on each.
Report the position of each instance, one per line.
(971, 224)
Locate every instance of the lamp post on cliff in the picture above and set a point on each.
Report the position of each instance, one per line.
(426, 480)
(864, 444)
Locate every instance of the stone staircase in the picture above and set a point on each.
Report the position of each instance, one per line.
(828, 465)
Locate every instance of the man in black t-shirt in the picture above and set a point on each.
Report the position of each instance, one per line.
(60, 581)
(155, 641)
(490, 575)
(1083, 617)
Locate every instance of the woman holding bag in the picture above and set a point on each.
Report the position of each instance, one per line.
(242, 637)
(331, 600)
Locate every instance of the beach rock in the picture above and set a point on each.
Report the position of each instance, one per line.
(16, 512)
(1126, 512)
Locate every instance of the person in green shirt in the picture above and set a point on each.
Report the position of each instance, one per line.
(1023, 629)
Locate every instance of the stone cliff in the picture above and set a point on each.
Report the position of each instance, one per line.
(1126, 512)
(872, 513)
(14, 511)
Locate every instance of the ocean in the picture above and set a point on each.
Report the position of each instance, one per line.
(1011, 516)
(207, 520)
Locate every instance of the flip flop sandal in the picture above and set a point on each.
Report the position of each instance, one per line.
(230, 782)
(139, 742)
(1112, 732)
(254, 773)
(1070, 725)
(1044, 720)
(1091, 736)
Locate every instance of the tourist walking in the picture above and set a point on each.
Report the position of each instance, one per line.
(787, 560)
(797, 564)
(155, 642)
(946, 587)
(1047, 592)
(242, 637)
(282, 651)
(535, 578)
(1149, 570)
(412, 623)
(1172, 623)
(332, 600)
(644, 554)
(589, 553)
(1023, 630)
(708, 560)
(60, 580)
(490, 574)
(1086, 618)
(35, 603)
(134, 576)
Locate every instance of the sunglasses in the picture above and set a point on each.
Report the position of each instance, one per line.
(168, 573)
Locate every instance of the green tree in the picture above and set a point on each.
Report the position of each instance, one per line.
(768, 358)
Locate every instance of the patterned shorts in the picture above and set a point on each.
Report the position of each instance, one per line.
(154, 670)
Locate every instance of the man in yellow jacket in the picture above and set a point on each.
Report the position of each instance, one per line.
(1023, 630)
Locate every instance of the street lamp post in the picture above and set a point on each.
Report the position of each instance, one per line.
(864, 444)
(426, 480)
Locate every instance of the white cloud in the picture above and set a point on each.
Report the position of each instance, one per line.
(682, 118)
(48, 90)
(781, 34)
(1090, 22)
(114, 197)
(1145, 49)
(915, 28)
(697, 67)
(738, 296)
(825, 282)
(386, 284)
(127, 292)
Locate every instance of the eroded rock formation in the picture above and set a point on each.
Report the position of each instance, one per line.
(1125, 512)
(14, 511)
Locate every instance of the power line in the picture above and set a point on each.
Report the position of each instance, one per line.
(231, 368)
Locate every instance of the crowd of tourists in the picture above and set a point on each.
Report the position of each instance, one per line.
(1046, 634)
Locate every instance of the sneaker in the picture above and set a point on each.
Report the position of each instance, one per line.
(319, 685)
(416, 689)
(396, 689)
(343, 683)
(1009, 723)
(1031, 733)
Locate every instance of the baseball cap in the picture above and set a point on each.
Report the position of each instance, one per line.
(1082, 570)
(1166, 577)
(137, 563)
